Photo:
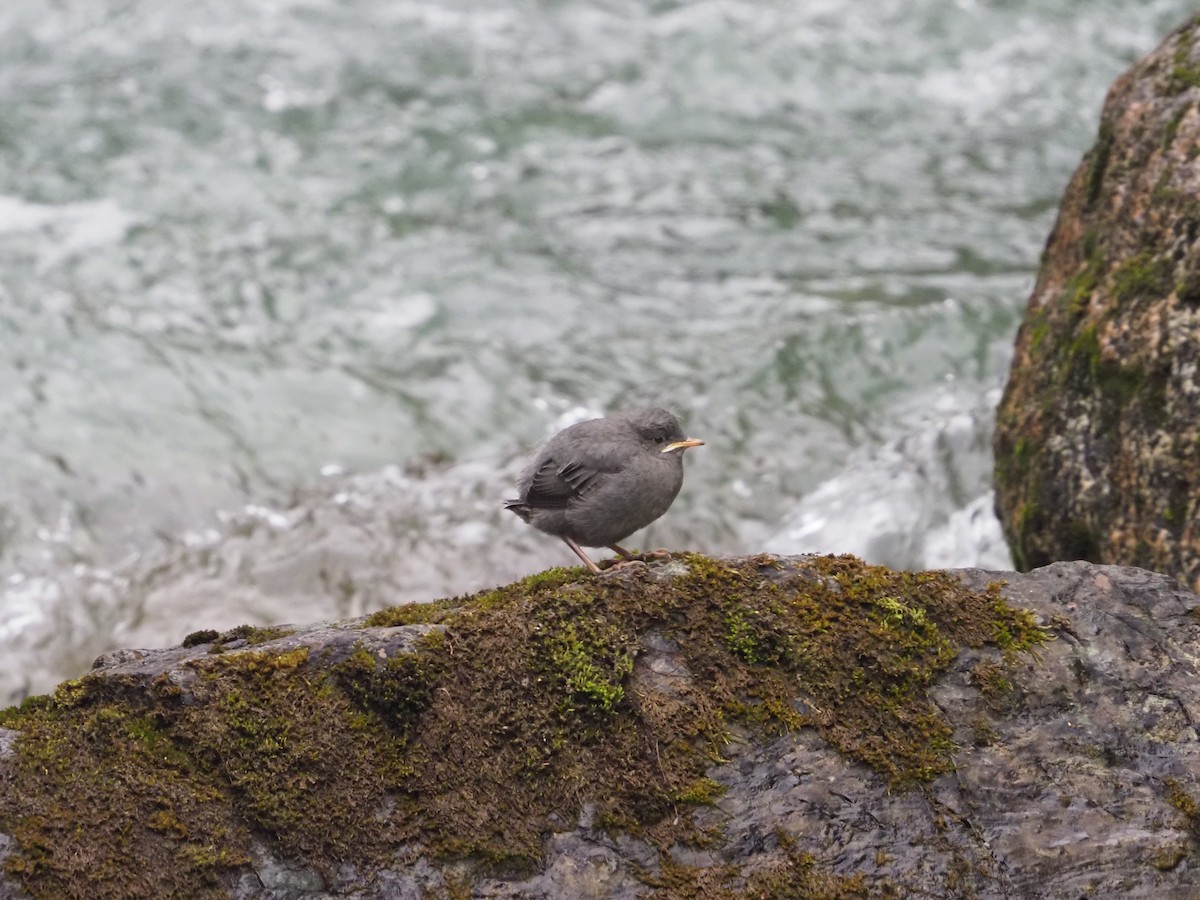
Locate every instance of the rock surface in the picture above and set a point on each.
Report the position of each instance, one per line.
(1098, 435)
(1073, 767)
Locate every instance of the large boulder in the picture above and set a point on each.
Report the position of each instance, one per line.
(1098, 434)
(750, 727)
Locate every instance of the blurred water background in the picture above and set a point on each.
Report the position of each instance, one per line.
(289, 287)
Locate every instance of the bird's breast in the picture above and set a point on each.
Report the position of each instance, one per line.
(626, 502)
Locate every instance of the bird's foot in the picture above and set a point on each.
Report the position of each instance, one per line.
(621, 565)
(635, 556)
(660, 553)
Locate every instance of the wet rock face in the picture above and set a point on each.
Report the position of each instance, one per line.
(1098, 434)
(753, 744)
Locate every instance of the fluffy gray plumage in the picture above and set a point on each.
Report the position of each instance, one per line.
(597, 482)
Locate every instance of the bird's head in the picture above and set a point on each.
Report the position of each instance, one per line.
(660, 430)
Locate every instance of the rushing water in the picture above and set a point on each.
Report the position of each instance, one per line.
(289, 287)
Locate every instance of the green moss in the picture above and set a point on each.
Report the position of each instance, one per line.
(1185, 74)
(1012, 468)
(1188, 288)
(798, 877)
(521, 590)
(549, 579)
(1154, 396)
(740, 636)
(1099, 158)
(993, 683)
(1039, 325)
(285, 747)
(161, 801)
(1119, 385)
(1090, 245)
(757, 636)
(1179, 500)
(1025, 516)
(1172, 128)
(252, 635)
(1084, 349)
(1014, 630)
(792, 875)
(590, 668)
(896, 613)
(409, 614)
(1142, 275)
(71, 693)
(107, 806)
(516, 712)
(1022, 530)
(1022, 453)
(196, 638)
(438, 610)
(701, 791)
(1079, 287)
(982, 732)
(255, 636)
(396, 689)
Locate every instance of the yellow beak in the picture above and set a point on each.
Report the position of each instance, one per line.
(681, 445)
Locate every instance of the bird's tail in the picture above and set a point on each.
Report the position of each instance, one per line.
(519, 507)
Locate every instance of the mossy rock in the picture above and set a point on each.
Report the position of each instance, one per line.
(471, 729)
(1097, 434)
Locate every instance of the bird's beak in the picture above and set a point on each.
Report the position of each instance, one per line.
(681, 445)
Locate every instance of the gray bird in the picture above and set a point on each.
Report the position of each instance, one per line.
(597, 482)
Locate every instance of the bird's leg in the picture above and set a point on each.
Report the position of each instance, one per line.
(595, 569)
(625, 554)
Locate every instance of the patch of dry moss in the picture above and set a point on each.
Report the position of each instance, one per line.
(99, 788)
(517, 712)
(1179, 797)
(410, 614)
(122, 790)
(792, 876)
(252, 635)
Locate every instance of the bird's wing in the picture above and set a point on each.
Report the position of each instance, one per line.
(555, 483)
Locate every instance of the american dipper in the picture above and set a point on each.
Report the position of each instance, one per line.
(597, 482)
